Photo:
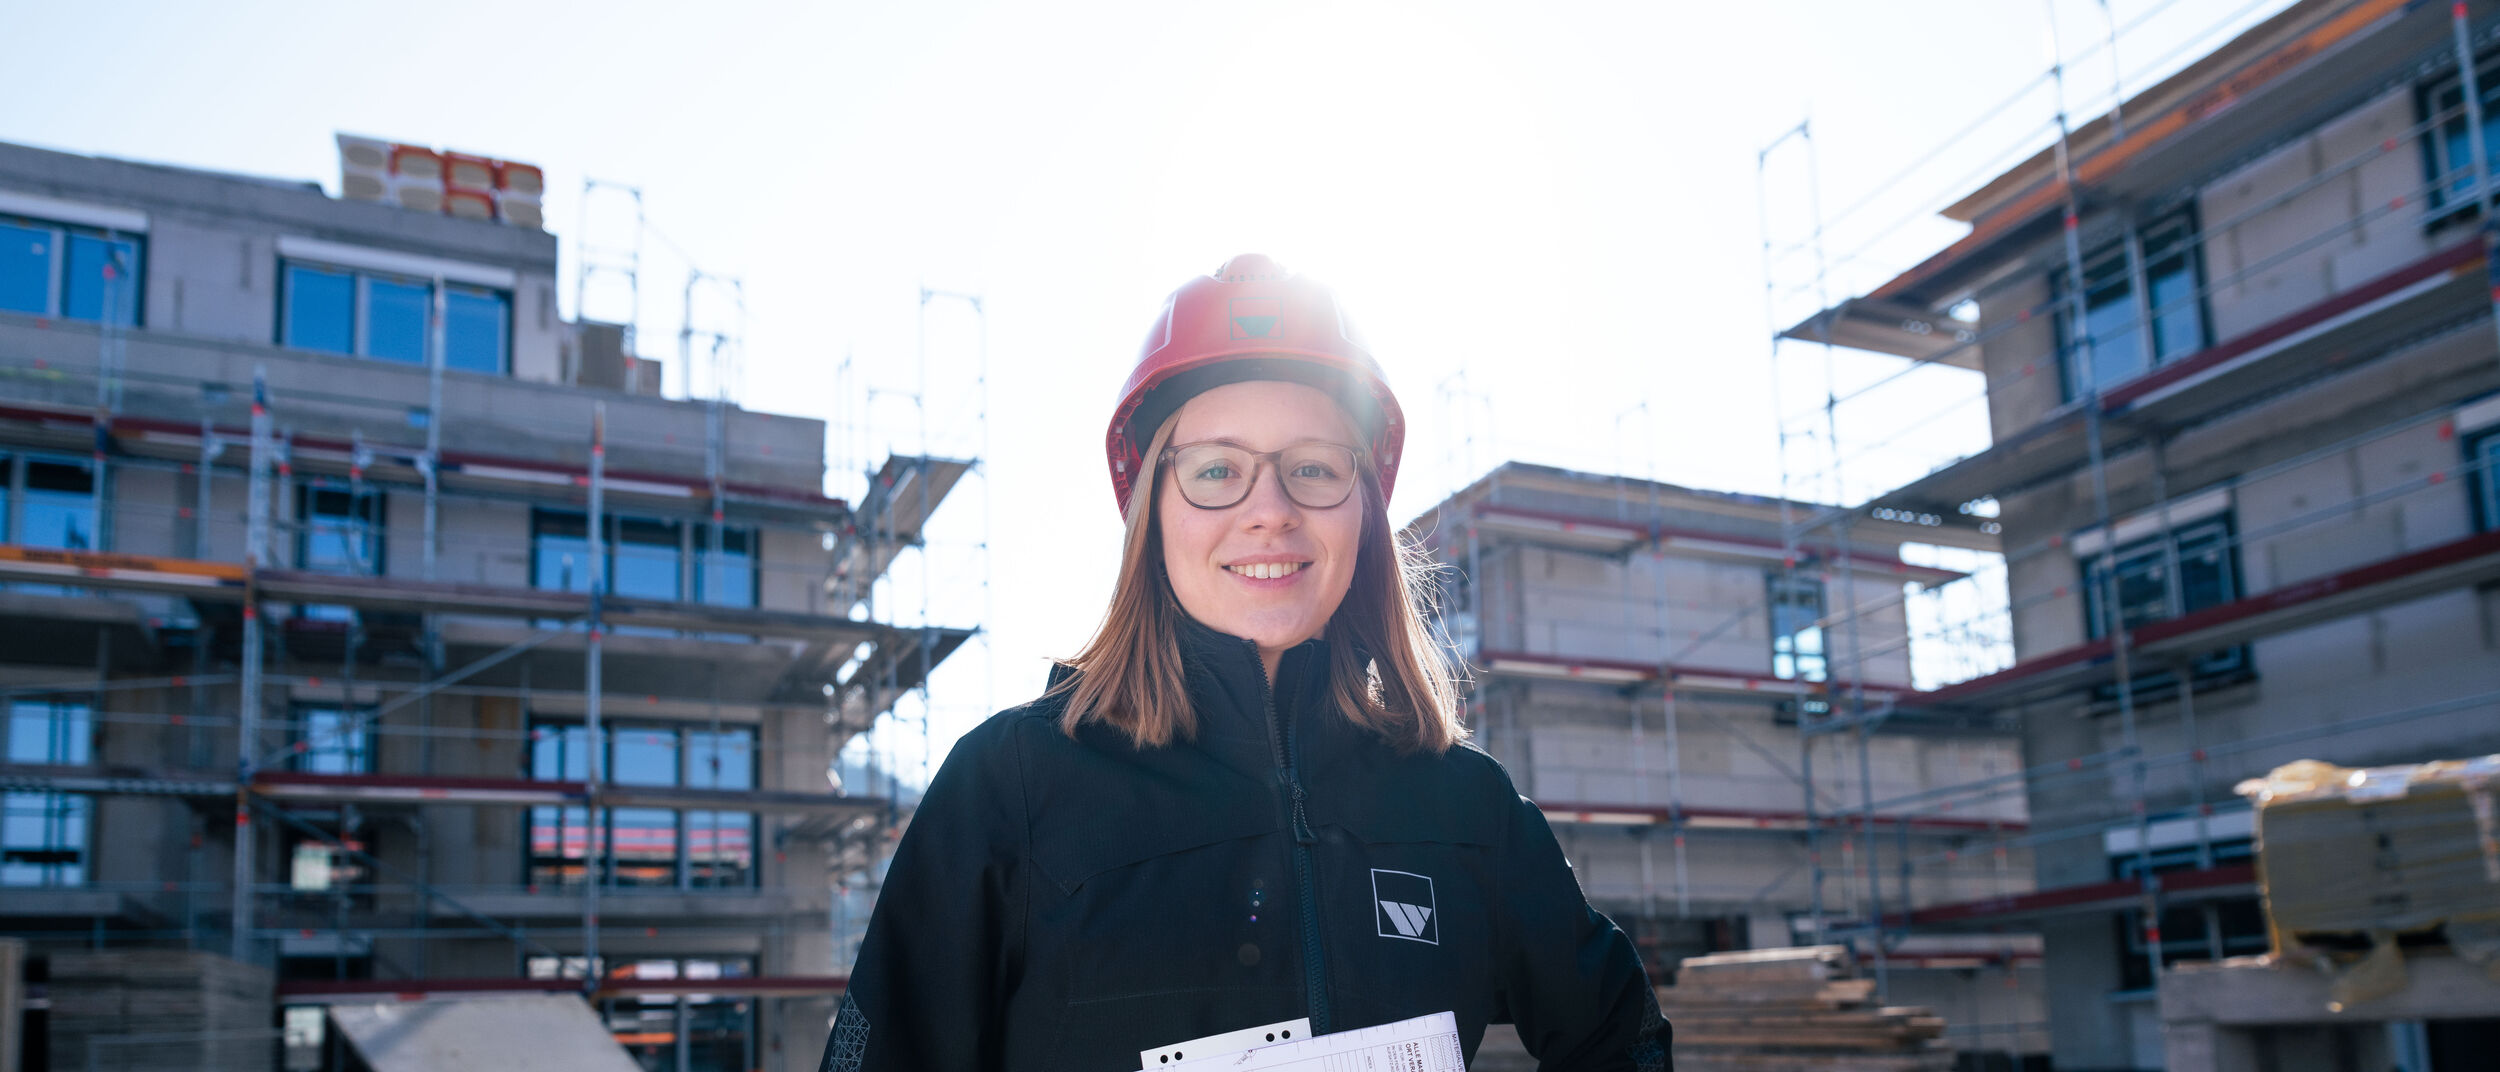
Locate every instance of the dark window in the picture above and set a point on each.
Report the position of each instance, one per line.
(2447, 156)
(2483, 452)
(1796, 628)
(75, 273)
(389, 318)
(43, 835)
(655, 847)
(2237, 925)
(2208, 560)
(333, 740)
(2173, 279)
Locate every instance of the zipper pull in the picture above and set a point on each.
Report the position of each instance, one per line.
(1301, 824)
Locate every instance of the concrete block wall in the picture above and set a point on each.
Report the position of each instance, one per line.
(2276, 260)
(2260, 263)
(1647, 608)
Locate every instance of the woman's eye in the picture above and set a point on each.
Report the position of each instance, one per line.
(1216, 472)
(1313, 471)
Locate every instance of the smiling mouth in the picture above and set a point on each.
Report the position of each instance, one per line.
(1267, 571)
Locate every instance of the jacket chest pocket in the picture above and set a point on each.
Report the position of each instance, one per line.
(1409, 926)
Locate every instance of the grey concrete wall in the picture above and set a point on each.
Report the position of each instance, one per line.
(2273, 261)
(2025, 382)
(1704, 613)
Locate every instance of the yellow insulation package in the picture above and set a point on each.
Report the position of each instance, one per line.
(2381, 852)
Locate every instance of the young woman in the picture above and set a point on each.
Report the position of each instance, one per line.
(1247, 800)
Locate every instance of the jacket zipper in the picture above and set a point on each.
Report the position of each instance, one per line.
(1315, 974)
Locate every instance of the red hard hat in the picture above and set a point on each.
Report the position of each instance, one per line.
(1251, 320)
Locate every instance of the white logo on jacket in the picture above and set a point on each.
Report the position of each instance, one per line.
(1402, 907)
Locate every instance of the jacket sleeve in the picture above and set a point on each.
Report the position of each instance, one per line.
(1571, 981)
(944, 945)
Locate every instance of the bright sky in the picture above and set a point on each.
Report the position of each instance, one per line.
(1556, 202)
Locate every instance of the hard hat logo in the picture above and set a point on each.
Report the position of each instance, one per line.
(1255, 318)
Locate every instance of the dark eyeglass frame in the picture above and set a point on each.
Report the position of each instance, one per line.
(1274, 459)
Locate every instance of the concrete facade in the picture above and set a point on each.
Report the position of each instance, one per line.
(136, 686)
(2315, 444)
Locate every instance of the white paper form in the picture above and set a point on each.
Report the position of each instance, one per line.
(1423, 1044)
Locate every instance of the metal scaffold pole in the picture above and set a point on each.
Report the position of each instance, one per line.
(1788, 522)
(2105, 588)
(247, 714)
(602, 849)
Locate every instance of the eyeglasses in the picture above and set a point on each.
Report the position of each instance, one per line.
(1214, 476)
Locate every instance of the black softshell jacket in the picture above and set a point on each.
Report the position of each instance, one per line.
(1064, 903)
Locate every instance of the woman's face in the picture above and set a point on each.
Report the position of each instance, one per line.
(1267, 568)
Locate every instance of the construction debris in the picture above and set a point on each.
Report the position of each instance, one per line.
(1794, 1010)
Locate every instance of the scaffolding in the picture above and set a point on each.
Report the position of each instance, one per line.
(788, 632)
(2067, 281)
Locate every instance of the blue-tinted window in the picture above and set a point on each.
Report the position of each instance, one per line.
(60, 506)
(723, 759)
(320, 309)
(652, 846)
(103, 280)
(645, 838)
(43, 836)
(341, 532)
(720, 845)
(560, 838)
(395, 315)
(50, 732)
(332, 740)
(474, 327)
(43, 839)
(560, 552)
(645, 559)
(391, 319)
(725, 577)
(645, 756)
(26, 268)
(2172, 281)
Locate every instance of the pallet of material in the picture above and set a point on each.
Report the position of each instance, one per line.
(1794, 1010)
(159, 1009)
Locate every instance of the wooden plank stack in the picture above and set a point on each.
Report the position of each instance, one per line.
(1794, 1010)
(160, 1009)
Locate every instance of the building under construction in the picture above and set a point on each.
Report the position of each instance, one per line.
(1653, 668)
(2242, 400)
(373, 637)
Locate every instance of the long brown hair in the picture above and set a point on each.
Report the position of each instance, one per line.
(1387, 671)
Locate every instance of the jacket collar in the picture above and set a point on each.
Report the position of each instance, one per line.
(1229, 690)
